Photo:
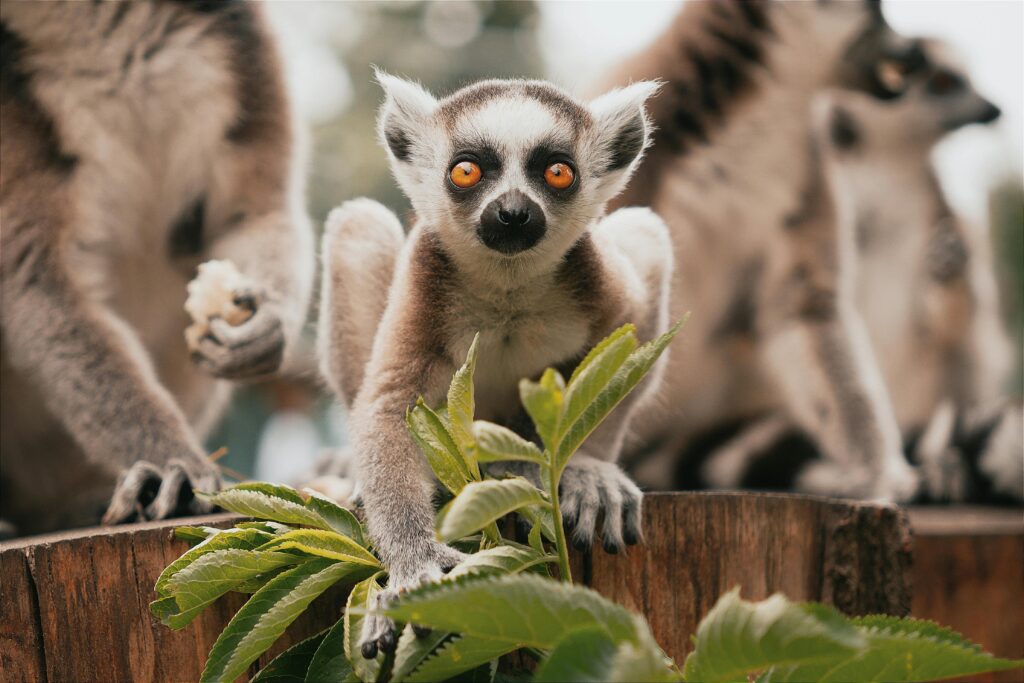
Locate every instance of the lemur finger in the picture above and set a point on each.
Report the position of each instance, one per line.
(612, 530)
(262, 326)
(133, 491)
(173, 496)
(372, 636)
(262, 356)
(631, 517)
(583, 534)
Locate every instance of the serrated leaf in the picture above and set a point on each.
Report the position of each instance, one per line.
(413, 649)
(540, 515)
(482, 502)
(339, 519)
(437, 444)
(600, 348)
(272, 528)
(495, 443)
(633, 662)
(573, 431)
(275, 490)
(216, 573)
(521, 609)
(290, 666)
(457, 656)
(583, 655)
(592, 378)
(902, 650)
(244, 539)
(321, 543)
(195, 534)
(535, 538)
(503, 559)
(164, 608)
(543, 402)
(263, 506)
(359, 600)
(329, 662)
(461, 403)
(268, 613)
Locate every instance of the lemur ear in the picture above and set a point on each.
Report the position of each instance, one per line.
(406, 110)
(622, 124)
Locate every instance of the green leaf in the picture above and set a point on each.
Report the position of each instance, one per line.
(521, 609)
(430, 433)
(737, 637)
(263, 506)
(534, 539)
(594, 375)
(599, 349)
(359, 601)
(195, 534)
(340, 520)
(495, 443)
(268, 613)
(329, 544)
(164, 608)
(272, 528)
(540, 515)
(243, 539)
(329, 662)
(290, 666)
(482, 502)
(457, 656)
(543, 401)
(642, 663)
(583, 655)
(902, 650)
(413, 649)
(575, 427)
(216, 573)
(461, 404)
(275, 490)
(502, 559)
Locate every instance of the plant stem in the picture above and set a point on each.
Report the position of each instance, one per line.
(556, 513)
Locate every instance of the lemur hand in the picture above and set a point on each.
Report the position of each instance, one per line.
(147, 491)
(425, 565)
(236, 331)
(590, 486)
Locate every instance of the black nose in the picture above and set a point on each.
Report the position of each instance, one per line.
(511, 223)
(989, 114)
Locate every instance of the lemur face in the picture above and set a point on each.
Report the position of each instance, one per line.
(511, 169)
(928, 100)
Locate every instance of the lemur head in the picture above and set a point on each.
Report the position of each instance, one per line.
(510, 170)
(928, 100)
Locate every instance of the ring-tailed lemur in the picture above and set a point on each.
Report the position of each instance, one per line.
(138, 140)
(923, 283)
(732, 172)
(509, 180)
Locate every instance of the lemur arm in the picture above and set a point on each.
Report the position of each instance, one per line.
(93, 372)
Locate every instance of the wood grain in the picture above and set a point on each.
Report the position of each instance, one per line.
(75, 605)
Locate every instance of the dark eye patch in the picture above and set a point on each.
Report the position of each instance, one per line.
(485, 156)
(542, 156)
(945, 82)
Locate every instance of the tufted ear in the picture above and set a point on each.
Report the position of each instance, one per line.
(622, 124)
(404, 115)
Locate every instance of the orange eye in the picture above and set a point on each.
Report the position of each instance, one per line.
(559, 176)
(465, 174)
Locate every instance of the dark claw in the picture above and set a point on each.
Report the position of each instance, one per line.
(247, 301)
(387, 642)
(631, 536)
(369, 650)
(580, 544)
(610, 548)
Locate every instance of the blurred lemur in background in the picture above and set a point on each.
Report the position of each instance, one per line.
(138, 140)
(760, 256)
(509, 180)
(923, 282)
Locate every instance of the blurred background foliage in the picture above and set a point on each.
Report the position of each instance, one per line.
(275, 431)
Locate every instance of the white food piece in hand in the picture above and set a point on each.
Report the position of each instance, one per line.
(211, 294)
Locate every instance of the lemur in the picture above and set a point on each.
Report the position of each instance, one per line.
(732, 172)
(508, 180)
(923, 283)
(138, 141)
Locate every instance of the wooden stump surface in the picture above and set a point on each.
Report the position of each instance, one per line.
(74, 606)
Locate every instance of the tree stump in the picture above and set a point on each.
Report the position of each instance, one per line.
(75, 605)
(969, 575)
